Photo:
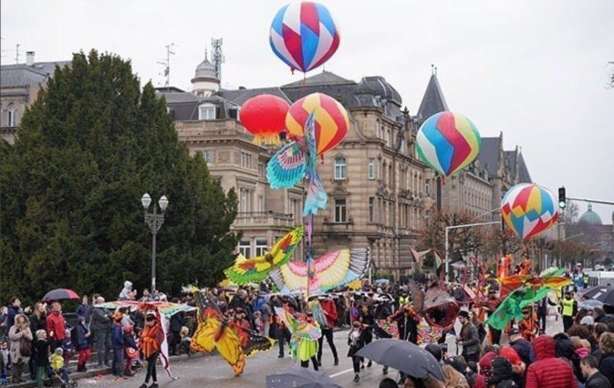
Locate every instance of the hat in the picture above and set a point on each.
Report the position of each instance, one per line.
(510, 354)
(587, 320)
(435, 350)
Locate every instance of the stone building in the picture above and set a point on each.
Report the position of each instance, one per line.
(207, 123)
(478, 189)
(595, 235)
(19, 88)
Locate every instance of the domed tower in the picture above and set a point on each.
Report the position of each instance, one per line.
(205, 81)
(590, 217)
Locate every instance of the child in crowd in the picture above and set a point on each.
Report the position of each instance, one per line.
(82, 344)
(355, 341)
(5, 362)
(117, 340)
(184, 344)
(259, 323)
(40, 356)
(68, 347)
(132, 352)
(57, 366)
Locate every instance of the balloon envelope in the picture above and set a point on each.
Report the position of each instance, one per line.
(304, 35)
(264, 116)
(448, 142)
(529, 209)
(331, 120)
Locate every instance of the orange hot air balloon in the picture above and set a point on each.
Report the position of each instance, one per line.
(264, 117)
(331, 120)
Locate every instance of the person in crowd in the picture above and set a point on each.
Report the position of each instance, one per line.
(388, 383)
(20, 345)
(355, 342)
(469, 338)
(101, 326)
(518, 366)
(57, 363)
(594, 378)
(5, 361)
(528, 326)
(85, 309)
(13, 309)
(502, 374)
(407, 322)
(177, 322)
(38, 321)
(150, 344)
(56, 326)
(118, 346)
(565, 350)
(367, 320)
(40, 357)
(521, 346)
(184, 344)
(68, 346)
(453, 378)
(82, 343)
(126, 292)
(547, 371)
(570, 308)
(606, 364)
(325, 313)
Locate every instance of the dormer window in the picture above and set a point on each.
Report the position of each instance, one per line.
(206, 112)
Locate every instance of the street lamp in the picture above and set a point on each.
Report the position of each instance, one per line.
(154, 221)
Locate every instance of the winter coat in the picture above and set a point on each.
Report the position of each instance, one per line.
(11, 314)
(56, 361)
(37, 323)
(85, 310)
(56, 326)
(606, 366)
(330, 311)
(470, 339)
(453, 378)
(501, 373)
(40, 352)
(15, 338)
(151, 340)
(117, 337)
(82, 340)
(598, 380)
(101, 321)
(548, 371)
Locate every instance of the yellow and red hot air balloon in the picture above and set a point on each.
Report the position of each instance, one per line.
(331, 120)
(529, 209)
(264, 117)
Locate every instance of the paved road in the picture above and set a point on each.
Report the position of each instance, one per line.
(213, 372)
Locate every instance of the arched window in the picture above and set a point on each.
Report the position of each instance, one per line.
(206, 112)
(340, 168)
(11, 115)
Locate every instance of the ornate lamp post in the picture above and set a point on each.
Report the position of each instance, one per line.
(154, 221)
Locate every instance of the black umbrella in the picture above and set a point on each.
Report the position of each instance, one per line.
(60, 294)
(403, 356)
(297, 377)
(597, 293)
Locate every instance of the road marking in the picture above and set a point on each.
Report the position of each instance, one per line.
(341, 373)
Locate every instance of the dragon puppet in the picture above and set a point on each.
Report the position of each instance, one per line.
(226, 333)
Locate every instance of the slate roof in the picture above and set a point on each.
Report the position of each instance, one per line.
(433, 100)
(23, 75)
(523, 171)
(239, 96)
(323, 78)
(184, 105)
(514, 162)
(489, 154)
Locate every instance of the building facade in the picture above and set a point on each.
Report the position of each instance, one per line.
(19, 88)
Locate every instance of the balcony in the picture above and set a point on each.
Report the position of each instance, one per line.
(263, 220)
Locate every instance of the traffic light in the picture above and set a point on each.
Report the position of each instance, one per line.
(562, 199)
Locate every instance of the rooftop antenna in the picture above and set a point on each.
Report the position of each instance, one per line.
(217, 57)
(433, 69)
(166, 63)
(17, 53)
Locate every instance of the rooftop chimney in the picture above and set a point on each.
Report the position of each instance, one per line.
(30, 58)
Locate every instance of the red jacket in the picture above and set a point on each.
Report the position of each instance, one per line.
(330, 311)
(56, 326)
(548, 371)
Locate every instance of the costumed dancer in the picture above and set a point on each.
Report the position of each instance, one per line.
(407, 321)
(367, 320)
(150, 344)
(529, 325)
(355, 342)
(325, 313)
(305, 334)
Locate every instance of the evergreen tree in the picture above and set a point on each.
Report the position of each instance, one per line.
(70, 190)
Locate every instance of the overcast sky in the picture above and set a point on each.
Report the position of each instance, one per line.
(536, 70)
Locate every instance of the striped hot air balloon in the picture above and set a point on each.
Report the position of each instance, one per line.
(529, 209)
(448, 142)
(304, 35)
(331, 120)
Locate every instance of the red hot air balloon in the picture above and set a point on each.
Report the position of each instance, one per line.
(264, 116)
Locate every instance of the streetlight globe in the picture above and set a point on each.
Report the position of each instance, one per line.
(146, 201)
(163, 202)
